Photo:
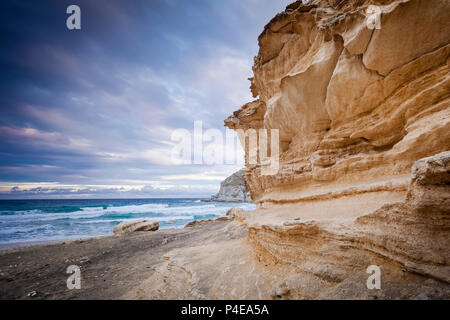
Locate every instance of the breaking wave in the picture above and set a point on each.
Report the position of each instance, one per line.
(34, 220)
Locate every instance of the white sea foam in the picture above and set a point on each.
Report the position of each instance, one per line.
(84, 213)
(27, 229)
(91, 221)
(143, 208)
(119, 220)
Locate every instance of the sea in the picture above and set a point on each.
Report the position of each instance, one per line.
(25, 222)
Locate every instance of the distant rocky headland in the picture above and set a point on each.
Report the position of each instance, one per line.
(232, 189)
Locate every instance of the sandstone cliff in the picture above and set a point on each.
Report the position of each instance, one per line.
(363, 116)
(233, 189)
(353, 105)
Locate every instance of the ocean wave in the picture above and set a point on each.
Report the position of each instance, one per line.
(83, 213)
(26, 229)
(143, 208)
(38, 215)
(159, 219)
(47, 223)
(127, 211)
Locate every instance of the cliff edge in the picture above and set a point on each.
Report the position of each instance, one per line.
(232, 189)
(359, 91)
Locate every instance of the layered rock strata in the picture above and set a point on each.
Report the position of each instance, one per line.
(321, 250)
(361, 103)
(353, 105)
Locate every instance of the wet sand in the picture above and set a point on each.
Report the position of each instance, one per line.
(110, 266)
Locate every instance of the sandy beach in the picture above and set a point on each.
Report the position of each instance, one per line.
(279, 150)
(110, 266)
(217, 260)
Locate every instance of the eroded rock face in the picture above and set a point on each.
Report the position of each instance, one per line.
(364, 179)
(353, 104)
(135, 226)
(413, 232)
(322, 250)
(233, 189)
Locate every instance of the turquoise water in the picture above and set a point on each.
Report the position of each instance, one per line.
(27, 221)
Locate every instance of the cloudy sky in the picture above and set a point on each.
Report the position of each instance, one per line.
(90, 113)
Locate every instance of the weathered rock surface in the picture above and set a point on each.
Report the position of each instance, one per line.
(322, 250)
(135, 226)
(202, 222)
(364, 126)
(233, 189)
(233, 212)
(353, 105)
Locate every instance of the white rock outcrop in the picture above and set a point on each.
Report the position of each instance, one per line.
(233, 189)
(135, 226)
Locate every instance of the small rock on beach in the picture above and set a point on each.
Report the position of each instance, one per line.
(135, 226)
